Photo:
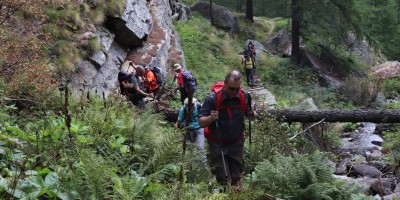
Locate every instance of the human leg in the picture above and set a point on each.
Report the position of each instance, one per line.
(247, 71)
(236, 162)
(200, 145)
(251, 76)
(218, 167)
(184, 95)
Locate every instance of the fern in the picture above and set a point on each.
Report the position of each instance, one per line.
(300, 177)
(92, 177)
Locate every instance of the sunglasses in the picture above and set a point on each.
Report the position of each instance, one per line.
(234, 89)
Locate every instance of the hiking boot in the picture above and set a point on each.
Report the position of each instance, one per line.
(237, 185)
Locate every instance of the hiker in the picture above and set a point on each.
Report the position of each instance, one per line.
(187, 83)
(195, 132)
(224, 114)
(136, 91)
(249, 68)
(150, 80)
(250, 50)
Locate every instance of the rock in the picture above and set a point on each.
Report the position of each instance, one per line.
(364, 183)
(134, 26)
(383, 186)
(280, 43)
(389, 69)
(391, 196)
(366, 170)
(381, 166)
(307, 104)
(374, 155)
(341, 168)
(360, 48)
(223, 17)
(83, 78)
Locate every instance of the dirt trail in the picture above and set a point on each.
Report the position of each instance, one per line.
(272, 26)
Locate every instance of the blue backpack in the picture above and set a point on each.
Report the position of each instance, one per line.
(189, 81)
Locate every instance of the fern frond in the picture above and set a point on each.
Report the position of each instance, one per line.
(92, 176)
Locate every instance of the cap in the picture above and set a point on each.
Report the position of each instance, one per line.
(186, 101)
(177, 66)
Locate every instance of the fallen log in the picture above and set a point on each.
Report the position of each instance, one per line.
(309, 116)
(337, 115)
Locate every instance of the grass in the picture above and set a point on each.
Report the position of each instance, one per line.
(210, 53)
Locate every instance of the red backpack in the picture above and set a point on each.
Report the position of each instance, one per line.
(217, 88)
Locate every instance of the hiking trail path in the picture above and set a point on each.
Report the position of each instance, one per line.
(262, 97)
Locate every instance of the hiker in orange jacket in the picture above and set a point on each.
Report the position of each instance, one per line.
(150, 81)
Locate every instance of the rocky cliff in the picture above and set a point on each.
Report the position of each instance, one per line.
(144, 33)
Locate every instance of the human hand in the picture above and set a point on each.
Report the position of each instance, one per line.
(250, 111)
(150, 95)
(214, 115)
(125, 84)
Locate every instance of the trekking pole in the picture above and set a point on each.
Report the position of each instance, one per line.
(251, 162)
(222, 155)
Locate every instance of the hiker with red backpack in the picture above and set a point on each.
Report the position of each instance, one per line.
(195, 133)
(132, 87)
(223, 113)
(187, 83)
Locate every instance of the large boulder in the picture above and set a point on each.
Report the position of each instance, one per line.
(360, 48)
(280, 43)
(389, 69)
(134, 26)
(223, 17)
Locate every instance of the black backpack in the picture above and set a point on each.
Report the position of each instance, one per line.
(189, 81)
(125, 77)
(248, 51)
(158, 74)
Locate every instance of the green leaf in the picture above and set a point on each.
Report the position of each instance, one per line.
(81, 138)
(31, 196)
(31, 172)
(120, 140)
(43, 171)
(51, 180)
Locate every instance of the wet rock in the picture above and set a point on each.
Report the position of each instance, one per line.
(381, 166)
(382, 186)
(374, 155)
(366, 170)
(341, 167)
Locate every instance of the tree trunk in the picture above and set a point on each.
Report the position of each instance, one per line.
(249, 10)
(239, 4)
(296, 20)
(211, 14)
(307, 116)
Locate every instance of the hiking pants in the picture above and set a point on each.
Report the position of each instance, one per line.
(184, 95)
(136, 100)
(199, 141)
(233, 162)
(250, 76)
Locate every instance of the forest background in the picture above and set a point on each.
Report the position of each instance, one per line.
(57, 146)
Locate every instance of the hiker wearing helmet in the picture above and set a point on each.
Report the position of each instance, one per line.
(223, 112)
(149, 80)
(195, 133)
(135, 86)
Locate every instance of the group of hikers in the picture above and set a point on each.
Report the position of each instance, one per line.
(220, 119)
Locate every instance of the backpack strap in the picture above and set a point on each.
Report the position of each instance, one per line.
(219, 106)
